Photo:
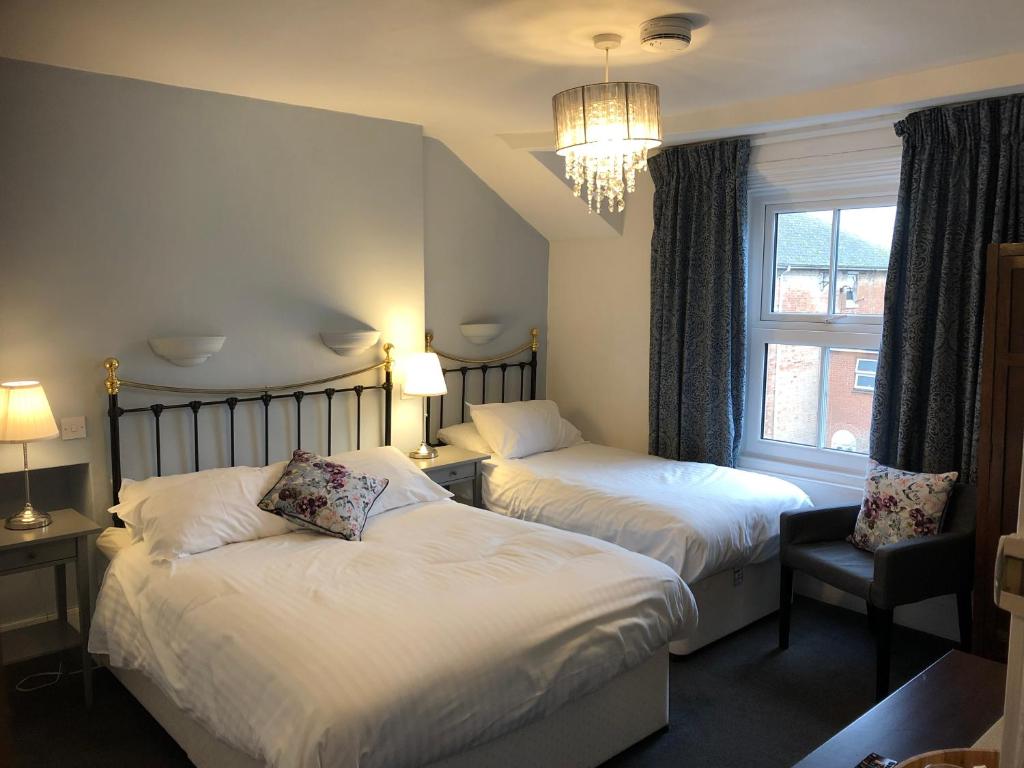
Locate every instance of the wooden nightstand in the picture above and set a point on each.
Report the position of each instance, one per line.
(64, 541)
(455, 465)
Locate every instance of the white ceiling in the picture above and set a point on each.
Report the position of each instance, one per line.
(473, 71)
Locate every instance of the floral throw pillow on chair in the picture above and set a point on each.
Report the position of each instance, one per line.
(323, 496)
(900, 505)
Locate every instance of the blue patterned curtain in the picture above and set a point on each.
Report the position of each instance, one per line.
(961, 188)
(698, 301)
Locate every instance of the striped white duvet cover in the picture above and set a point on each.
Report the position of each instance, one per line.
(700, 519)
(445, 628)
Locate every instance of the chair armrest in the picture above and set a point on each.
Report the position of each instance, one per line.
(917, 569)
(809, 525)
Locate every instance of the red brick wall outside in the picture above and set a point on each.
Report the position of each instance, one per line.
(806, 290)
(848, 408)
(792, 391)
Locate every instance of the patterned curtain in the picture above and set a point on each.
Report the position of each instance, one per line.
(698, 301)
(961, 188)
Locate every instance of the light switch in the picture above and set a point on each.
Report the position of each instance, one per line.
(72, 428)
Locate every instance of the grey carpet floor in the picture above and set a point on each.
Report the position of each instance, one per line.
(738, 703)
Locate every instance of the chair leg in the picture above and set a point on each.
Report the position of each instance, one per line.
(882, 620)
(785, 605)
(964, 616)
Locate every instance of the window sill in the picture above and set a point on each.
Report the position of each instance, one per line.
(849, 475)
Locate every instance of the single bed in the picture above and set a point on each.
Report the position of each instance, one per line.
(717, 527)
(447, 637)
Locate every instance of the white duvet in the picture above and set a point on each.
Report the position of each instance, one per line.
(446, 627)
(699, 519)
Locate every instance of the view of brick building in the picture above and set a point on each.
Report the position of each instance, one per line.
(793, 390)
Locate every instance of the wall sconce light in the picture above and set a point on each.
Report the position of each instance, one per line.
(480, 333)
(349, 342)
(187, 350)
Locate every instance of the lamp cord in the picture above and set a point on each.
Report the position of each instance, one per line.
(23, 685)
(606, 54)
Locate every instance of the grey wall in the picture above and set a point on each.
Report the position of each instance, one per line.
(484, 262)
(130, 210)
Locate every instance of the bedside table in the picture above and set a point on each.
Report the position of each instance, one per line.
(455, 465)
(63, 541)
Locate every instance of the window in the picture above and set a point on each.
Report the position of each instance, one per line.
(815, 334)
(864, 374)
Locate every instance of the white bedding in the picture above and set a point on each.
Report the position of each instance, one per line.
(699, 519)
(446, 627)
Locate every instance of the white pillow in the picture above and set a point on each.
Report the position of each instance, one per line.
(135, 492)
(465, 436)
(568, 435)
(209, 510)
(514, 430)
(406, 484)
(468, 437)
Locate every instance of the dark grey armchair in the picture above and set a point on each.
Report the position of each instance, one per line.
(814, 541)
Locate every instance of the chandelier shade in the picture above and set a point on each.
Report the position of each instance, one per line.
(604, 131)
(607, 112)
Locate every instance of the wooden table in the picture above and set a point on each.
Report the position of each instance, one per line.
(64, 541)
(950, 704)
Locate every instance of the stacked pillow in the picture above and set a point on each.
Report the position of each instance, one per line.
(513, 430)
(180, 515)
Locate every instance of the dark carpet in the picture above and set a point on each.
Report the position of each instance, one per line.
(739, 702)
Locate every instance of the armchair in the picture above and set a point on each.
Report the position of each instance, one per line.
(814, 541)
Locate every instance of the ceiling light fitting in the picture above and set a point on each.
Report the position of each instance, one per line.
(604, 131)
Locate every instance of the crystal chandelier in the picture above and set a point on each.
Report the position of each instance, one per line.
(604, 131)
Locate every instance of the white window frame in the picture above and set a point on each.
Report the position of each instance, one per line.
(853, 332)
(870, 374)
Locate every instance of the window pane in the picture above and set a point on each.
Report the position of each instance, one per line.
(792, 387)
(803, 244)
(862, 258)
(851, 385)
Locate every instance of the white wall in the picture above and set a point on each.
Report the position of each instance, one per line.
(599, 314)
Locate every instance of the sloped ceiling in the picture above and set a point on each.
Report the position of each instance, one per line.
(479, 74)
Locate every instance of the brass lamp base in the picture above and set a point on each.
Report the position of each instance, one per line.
(28, 519)
(424, 452)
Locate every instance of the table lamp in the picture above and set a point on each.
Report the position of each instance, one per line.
(424, 378)
(25, 416)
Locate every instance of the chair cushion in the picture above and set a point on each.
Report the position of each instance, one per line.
(838, 563)
(900, 505)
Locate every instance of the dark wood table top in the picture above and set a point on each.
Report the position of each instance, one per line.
(951, 704)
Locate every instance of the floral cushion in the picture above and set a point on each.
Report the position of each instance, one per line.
(900, 505)
(323, 496)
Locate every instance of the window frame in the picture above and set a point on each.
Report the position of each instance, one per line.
(767, 248)
(858, 373)
(827, 331)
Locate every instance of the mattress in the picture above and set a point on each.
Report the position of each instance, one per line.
(699, 519)
(446, 627)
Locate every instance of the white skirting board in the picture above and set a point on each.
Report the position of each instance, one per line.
(730, 600)
(582, 734)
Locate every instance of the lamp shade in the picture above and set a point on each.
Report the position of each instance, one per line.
(423, 376)
(25, 413)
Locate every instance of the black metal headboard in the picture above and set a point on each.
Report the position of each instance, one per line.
(505, 364)
(231, 399)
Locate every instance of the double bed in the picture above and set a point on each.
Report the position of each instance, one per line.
(717, 527)
(447, 636)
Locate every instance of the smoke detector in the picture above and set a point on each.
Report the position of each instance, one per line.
(666, 33)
